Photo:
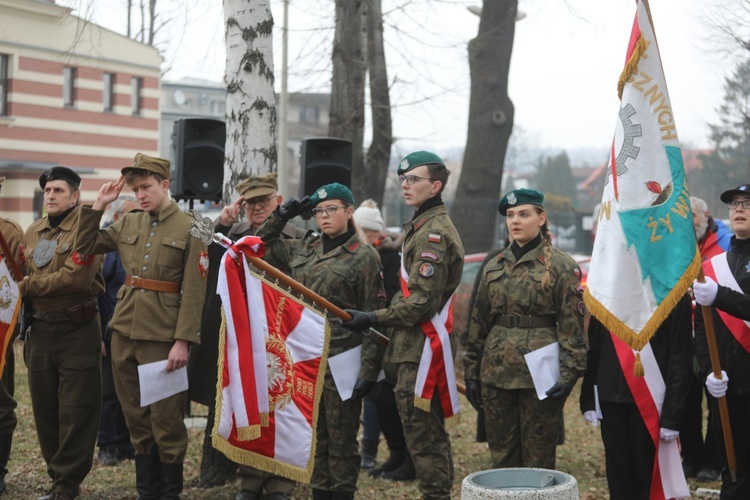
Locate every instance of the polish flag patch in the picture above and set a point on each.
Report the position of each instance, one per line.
(434, 238)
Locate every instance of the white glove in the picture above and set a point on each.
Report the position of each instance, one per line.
(705, 293)
(717, 388)
(668, 435)
(590, 417)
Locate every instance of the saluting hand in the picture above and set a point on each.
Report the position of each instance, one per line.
(108, 193)
(231, 213)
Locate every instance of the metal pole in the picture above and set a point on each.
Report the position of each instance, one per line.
(282, 165)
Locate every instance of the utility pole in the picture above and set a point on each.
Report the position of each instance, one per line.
(282, 167)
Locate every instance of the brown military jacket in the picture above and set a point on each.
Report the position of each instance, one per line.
(434, 258)
(69, 278)
(13, 235)
(157, 248)
(495, 353)
(349, 276)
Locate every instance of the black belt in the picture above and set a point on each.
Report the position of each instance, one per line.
(526, 321)
(77, 314)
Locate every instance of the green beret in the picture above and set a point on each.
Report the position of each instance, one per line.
(520, 197)
(333, 191)
(60, 174)
(417, 159)
(150, 164)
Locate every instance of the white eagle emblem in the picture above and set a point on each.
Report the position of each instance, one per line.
(404, 164)
(322, 193)
(512, 198)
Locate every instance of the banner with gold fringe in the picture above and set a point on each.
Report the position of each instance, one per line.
(645, 254)
(265, 325)
(10, 307)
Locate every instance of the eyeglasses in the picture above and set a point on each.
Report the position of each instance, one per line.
(733, 205)
(411, 179)
(260, 202)
(330, 211)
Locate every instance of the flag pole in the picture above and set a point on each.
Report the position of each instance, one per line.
(13, 265)
(713, 350)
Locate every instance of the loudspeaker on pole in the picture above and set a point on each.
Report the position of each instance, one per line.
(198, 168)
(324, 160)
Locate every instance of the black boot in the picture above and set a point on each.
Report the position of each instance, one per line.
(148, 476)
(406, 472)
(5, 446)
(394, 461)
(322, 494)
(369, 452)
(171, 481)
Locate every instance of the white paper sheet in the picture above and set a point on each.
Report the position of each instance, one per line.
(544, 366)
(597, 408)
(345, 370)
(156, 384)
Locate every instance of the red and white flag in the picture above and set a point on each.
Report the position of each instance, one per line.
(10, 307)
(272, 363)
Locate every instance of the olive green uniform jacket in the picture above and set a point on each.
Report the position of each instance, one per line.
(349, 276)
(157, 248)
(495, 354)
(434, 259)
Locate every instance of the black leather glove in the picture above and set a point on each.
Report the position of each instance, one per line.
(474, 393)
(291, 208)
(362, 388)
(360, 322)
(558, 391)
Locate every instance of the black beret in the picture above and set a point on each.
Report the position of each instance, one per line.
(60, 174)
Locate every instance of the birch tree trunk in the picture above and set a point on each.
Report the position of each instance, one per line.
(251, 108)
(347, 110)
(379, 154)
(490, 125)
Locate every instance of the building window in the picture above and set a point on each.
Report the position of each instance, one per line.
(69, 86)
(136, 88)
(108, 92)
(218, 108)
(309, 114)
(4, 80)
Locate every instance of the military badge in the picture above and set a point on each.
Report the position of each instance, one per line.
(577, 272)
(512, 198)
(428, 255)
(581, 308)
(426, 270)
(43, 252)
(322, 193)
(65, 247)
(203, 264)
(80, 259)
(404, 165)
(434, 238)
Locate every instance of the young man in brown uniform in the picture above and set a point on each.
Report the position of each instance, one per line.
(63, 347)
(433, 258)
(157, 313)
(13, 235)
(259, 197)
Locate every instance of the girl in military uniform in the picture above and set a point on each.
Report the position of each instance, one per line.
(528, 298)
(338, 265)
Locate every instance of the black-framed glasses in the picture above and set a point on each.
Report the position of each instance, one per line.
(330, 211)
(732, 205)
(259, 202)
(411, 179)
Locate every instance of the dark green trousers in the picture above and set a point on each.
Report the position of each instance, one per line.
(65, 382)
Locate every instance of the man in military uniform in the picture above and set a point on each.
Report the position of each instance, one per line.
(13, 235)
(63, 348)
(433, 258)
(157, 314)
(259, 197)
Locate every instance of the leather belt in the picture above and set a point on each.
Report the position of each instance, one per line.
(153, 285)
(77, 314)
(526, 321)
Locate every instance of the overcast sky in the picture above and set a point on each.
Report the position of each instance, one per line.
(564, 70)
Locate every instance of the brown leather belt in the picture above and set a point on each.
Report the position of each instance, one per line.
(526, 321)
(153, 285)
(76, 314)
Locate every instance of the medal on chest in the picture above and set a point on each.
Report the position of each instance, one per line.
(44, 251)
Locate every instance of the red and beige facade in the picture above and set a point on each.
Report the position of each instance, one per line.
(71, 93)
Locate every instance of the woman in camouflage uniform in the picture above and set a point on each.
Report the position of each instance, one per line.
(529, 297)
(339, 266)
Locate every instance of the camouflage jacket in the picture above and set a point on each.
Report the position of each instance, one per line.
(495, 353)
(349, 276)
(434, 258)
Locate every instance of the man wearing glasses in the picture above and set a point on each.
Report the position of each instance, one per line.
(432, 263)
(258, 198)
(727, 291)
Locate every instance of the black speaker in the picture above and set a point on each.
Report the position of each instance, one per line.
(324, 160)
(198, 168)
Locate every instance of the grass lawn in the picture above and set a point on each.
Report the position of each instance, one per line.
(582, 456)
